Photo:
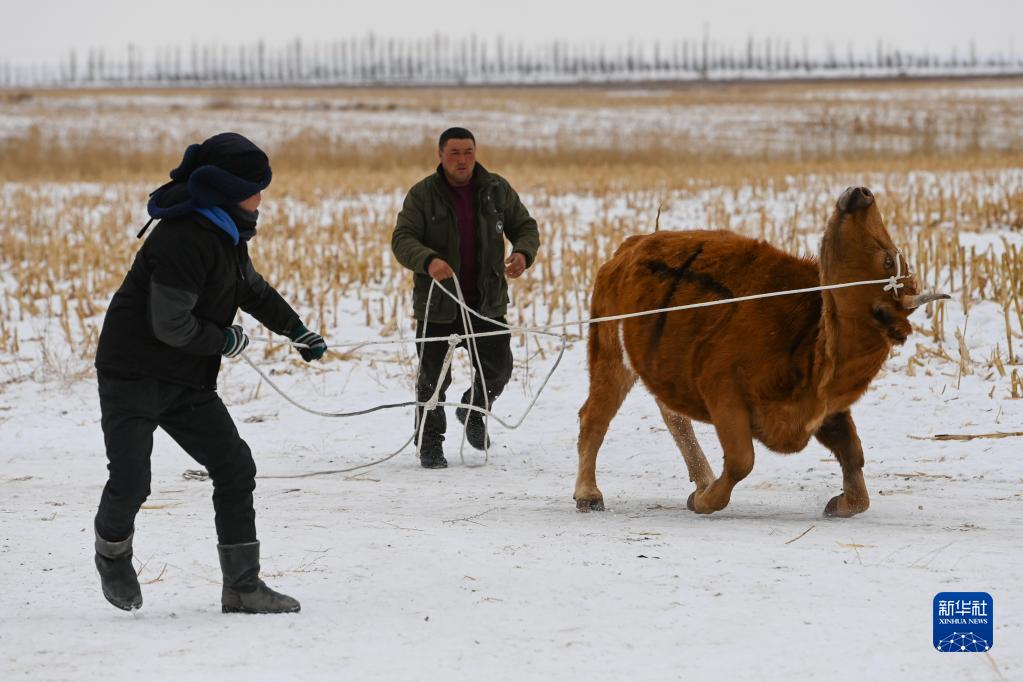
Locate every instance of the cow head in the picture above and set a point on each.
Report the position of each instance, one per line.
(856, 246)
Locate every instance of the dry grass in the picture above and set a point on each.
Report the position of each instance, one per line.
(557, 139)
(944, 162)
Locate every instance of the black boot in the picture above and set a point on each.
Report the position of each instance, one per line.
(117, 574)
(476, 429)
(243, 591)
(431, 455)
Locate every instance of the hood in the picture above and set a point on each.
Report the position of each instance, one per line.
(222, 171)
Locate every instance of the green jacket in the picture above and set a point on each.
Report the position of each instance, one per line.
(426, 229)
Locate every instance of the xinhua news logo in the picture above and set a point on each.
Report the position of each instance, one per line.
(964, 622)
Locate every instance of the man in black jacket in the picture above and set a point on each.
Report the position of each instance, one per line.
(159, 353)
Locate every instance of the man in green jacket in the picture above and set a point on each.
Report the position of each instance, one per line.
(453, 223)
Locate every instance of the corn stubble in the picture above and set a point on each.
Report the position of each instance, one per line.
(70, 205)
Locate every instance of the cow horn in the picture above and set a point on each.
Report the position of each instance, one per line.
(913, 302)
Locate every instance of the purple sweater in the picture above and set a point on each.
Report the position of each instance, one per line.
(463, 201)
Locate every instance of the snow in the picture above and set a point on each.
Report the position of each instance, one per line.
(488, 571)
(791, 120)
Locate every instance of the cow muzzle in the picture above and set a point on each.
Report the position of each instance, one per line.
(855, 199)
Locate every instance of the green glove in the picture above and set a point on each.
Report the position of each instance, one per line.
(316, 346)
(235, 341)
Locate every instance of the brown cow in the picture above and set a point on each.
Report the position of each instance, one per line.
(779, 370)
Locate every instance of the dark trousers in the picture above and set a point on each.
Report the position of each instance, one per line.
(495, 357)
(132, 408)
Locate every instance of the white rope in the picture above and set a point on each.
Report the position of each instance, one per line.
(329, 472)
(474, 356)
(434, 401)
(431, 404)
(892, 284)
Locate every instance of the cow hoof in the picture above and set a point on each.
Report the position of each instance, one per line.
(586, 506)
(691, 505)
(838, 507)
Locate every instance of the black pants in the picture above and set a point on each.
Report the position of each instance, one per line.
(495, 357)
(132, 408)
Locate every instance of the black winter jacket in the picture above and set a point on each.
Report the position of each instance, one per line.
(185, 286)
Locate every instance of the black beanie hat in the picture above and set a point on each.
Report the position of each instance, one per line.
(233, 153)
(222, 171)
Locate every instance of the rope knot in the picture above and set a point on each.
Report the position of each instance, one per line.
(894, 285)
(893, 282)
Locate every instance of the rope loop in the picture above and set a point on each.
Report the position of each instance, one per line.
(893, 282)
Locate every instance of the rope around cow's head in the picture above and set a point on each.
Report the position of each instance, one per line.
(892, 283)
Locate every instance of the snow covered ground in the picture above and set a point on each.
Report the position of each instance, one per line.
(479, 572)
(486, 570)
(750, 123)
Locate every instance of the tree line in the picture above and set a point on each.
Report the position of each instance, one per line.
(442, 60)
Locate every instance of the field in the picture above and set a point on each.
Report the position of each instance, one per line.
(485, 568)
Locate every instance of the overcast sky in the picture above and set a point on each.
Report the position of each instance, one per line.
(33, 31)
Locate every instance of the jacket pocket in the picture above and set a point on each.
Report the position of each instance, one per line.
(438, 228)
(498, 285)
(421, 291)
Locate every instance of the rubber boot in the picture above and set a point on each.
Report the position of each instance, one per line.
(243, 591)
(117, 574)
(475, 429)
(431, 455)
